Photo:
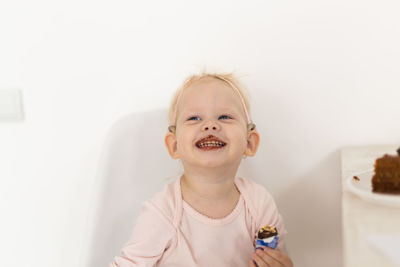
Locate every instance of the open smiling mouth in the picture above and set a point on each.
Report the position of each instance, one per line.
(210, 143)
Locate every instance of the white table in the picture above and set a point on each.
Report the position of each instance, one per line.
(360, 219)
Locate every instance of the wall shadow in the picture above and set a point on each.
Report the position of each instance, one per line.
(134, 165)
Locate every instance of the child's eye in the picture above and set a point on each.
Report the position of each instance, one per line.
(224, 117)
(194, 118)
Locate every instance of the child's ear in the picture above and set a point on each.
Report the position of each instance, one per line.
(253, 140)
(171, 144)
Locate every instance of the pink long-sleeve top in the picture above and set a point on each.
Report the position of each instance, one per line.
(169, 232)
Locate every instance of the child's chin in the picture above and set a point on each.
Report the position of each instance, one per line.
(213, 162)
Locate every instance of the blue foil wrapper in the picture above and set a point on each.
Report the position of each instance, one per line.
(271, 244)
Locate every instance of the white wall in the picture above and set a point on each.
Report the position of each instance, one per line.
(322, 75)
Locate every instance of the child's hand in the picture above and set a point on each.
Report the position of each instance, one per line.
(270, 258)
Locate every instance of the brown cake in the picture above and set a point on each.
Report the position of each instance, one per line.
(387, 174)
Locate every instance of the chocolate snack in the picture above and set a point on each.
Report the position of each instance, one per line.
(267, 231)
(267, 237)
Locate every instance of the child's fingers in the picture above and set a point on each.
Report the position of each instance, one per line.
(252, 263)
(260, 262)
(279, 256)
(273, 257)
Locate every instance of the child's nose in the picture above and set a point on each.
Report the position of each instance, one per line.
(210, 125)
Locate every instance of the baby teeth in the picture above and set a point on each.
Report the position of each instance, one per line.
(211, 143)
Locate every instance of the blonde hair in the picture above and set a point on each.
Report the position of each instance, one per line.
(228, 78)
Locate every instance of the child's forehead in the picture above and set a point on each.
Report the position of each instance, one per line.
(215, 100)
(210, 94)
(199, 108)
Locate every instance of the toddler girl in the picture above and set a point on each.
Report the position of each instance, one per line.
(208, 216)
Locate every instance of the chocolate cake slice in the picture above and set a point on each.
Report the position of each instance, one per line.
(387, 174)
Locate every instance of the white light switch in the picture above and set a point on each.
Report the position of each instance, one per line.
(10, 105)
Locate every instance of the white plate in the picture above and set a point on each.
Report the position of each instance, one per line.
(363, 189)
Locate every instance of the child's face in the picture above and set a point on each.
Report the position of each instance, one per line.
(210, 108)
